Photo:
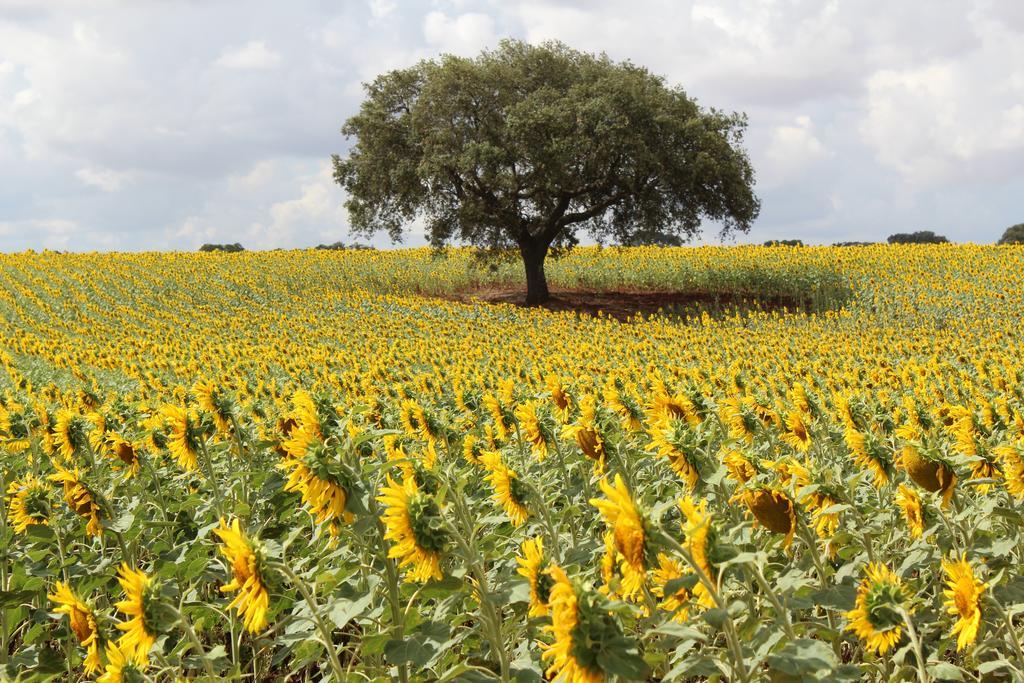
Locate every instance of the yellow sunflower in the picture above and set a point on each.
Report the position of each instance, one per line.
(140, 631)
(559, 397)
(931, 474)
(82, 621)
(80, 498)
(15, 429)
(28, 503)
(418, 422)
(126, 452)
(664, 406)
(414, 526)
(71, 433)
(627, 527)
(669, 570)
(609, 561)
(121, 666)
(216, 403)
(571, 655)
(533, 430)
(772, 508)
(700, 536)
(472, 449)
(500, 414)
(670, 439)
(318, 478)
(738, 414)
(301, 427)
(509, 491)
(586, 433)
(626, 406)
(740, 468)
(877, 618)
(248, 575)
(533, 567)
(797, 434)
(867, 455)
(962, 598)
(909, 504)
(184, 438)
(1012, 459)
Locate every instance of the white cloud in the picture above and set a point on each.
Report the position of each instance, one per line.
(56, 233)
(464, 34)
(381, 9)
(103, 178)
(951, 121)
(253, 55)
(792, 149)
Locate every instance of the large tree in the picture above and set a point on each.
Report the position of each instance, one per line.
(525, 146)
(1013, 235)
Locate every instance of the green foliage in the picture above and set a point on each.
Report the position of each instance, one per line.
(524, 146)
(657, 238)
(1013, 235)
(919, 237)
(229, 248)
(341, 246)
(784, 243)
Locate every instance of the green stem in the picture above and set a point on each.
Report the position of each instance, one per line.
(488, 612)
(186, 625)
(566, 483)
(819, 566)
(773, 598)
(163, 501)
(325, 633)
(1008, 622)
(240, 443)
(208, 465)
(545, 515)
(922, 673)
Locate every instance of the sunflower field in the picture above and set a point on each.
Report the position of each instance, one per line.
(302, 466)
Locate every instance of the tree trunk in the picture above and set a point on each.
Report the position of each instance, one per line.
(536, 282)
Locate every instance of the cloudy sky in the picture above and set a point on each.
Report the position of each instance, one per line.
(163, 124)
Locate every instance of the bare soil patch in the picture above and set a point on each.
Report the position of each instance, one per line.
(624, 305)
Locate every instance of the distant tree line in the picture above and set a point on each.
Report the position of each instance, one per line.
(341, 246)
(236, 247)
(231, 248)
(919, 237)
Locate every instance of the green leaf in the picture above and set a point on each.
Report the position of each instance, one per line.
(442, 588)
(989, 667)
(420, 648)
(944, 671)
(801, 657)
(838, 597)
(343, 610)
(520, 592)
(715, 616)
(407, 651)
(627, 665)
(676, 630)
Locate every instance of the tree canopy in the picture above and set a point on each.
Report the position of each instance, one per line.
(1013, 235)
(525, 146)
(919, 237)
